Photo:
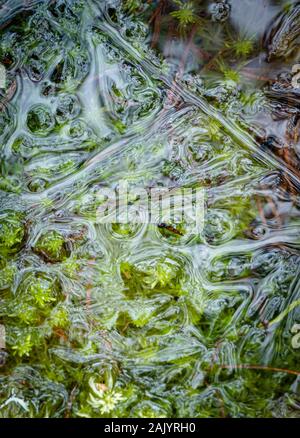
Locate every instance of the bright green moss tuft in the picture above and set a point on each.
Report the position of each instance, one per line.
(12, 232)
(52, 246)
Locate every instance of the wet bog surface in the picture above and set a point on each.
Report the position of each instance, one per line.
(139, 319)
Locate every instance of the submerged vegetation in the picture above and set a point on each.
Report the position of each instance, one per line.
(149, 320)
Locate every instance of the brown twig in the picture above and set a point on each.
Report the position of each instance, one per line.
(169, 39)
(213, 59)
(157, 11)
(187, 50)
(274, 210)
(157, 23)
(200, 52)
(252, 75)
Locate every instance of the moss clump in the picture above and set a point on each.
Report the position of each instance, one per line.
(34, 300)
(52, 246)
(25, 393)
(40, 120)
(185, 14)
(150, 278)
(12, 232)
(7, 274)
(166, 319)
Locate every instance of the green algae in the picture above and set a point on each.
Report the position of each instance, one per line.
(145, 320)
